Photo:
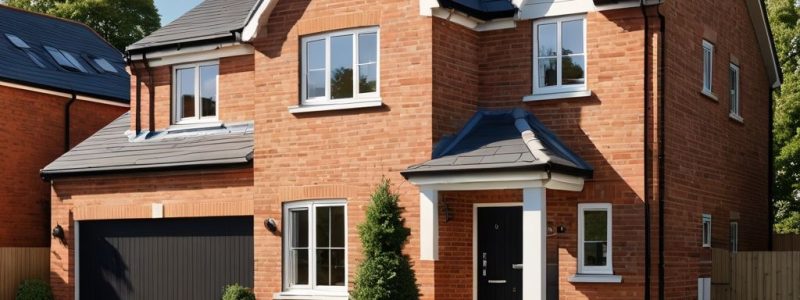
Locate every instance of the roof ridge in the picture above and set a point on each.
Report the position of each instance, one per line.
(529, 136)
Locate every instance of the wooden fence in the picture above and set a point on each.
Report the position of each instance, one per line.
(18, 264)
(755, 275)
(786, 242)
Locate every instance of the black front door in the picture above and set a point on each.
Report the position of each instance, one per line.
(499, 253)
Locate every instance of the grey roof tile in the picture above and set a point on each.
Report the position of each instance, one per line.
(111, 149)
(493, 140)
(38, 31)
(211, 19)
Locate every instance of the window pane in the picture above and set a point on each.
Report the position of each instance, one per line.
(572, 71)
(300, 266)
(595, 223)
(299, 223)
(337, 226)
(707, 64)
(323, 267)
(367, 48)
(594, 253)
(337, 263)
(341, 67)
(315, 84)
(315, 54)
(546, 39)
(208, 90)
(323, 227)
(186, 92)
(367, 81)
(548, 76)
(572, 37)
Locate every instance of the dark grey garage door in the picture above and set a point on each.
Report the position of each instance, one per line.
(164, 258)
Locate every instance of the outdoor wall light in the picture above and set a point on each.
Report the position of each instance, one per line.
(58, 232)
(271, 225)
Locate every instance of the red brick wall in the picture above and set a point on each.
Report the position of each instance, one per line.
(455, 76)
(33, 136)
(714, 164)
(184, 194)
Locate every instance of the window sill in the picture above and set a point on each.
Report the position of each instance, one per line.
(310, 295)
(555, 96)
(709, 95)
(592, 278)
(335, 106)
(736, 117)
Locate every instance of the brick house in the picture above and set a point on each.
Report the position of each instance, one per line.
(59, 83)
(606, 170)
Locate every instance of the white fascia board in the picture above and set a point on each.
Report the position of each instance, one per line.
(467, 21)
(258, 20)
(195, 54)
(498, 181)
(535, 9)
(755, 9)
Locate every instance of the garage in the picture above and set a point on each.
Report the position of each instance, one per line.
(191, 258)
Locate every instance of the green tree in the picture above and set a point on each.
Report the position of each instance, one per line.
(783, 18)
(120, 22)
(385, 273)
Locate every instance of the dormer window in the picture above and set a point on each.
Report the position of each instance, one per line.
(196, 95)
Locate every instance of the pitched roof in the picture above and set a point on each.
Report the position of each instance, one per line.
(37, 31)
(482, 9)
(112, 149)
(210, 20)
(502, 140)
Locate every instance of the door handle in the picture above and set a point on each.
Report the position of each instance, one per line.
(516, 266)
(497, 281)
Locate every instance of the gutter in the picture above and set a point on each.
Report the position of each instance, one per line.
(647, 155)
(661, 147)
(67, 121)
(771, 172)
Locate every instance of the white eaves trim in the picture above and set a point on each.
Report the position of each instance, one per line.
(258, 20)
(470, 22)
(62, 94)
(499, 180)
(195, 54)
(757, 11)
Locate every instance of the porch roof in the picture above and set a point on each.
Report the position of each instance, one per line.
(502, 140)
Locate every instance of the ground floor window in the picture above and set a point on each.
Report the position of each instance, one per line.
(315, 245)
(594, 238)
(734, 237)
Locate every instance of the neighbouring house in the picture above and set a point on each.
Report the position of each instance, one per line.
(541, 149)
(59, 83)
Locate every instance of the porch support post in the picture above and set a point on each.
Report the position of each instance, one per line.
(429, 223)
(534, 243)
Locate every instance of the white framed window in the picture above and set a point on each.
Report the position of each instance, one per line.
(706, 231)
(196, 93)
(594, 238)
(734, 237)
(708, 67)
(559, 54)
(341, 67)
(315, 247)
(734, 86)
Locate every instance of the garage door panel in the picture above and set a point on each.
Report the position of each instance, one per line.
(164, 258)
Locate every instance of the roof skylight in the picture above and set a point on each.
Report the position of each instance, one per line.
(17, 41)
(105, 65)
(65, 59)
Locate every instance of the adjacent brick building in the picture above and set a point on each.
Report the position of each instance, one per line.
(47, 109)
(540, 149)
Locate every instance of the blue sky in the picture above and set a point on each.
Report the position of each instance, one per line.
(172, 9)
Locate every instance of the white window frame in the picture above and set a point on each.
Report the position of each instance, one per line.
(559, 88)
(608, 269)
(734, 231)
(708, 68)
(357, 97)
(706, 231)
(311, 288)
(735, 91)
(177, 106)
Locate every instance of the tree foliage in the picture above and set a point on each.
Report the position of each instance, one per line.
(120, 22)
(784, 16)
(385, 272)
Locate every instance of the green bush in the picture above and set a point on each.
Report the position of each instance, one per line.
(34, 289)
(385, 273)
(238, 292)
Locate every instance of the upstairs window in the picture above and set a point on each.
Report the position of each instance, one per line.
(196, 94)
(734, 84)
(594, 238)
(706, 231)
(559, 55)
(340, 67)
(708, 67)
